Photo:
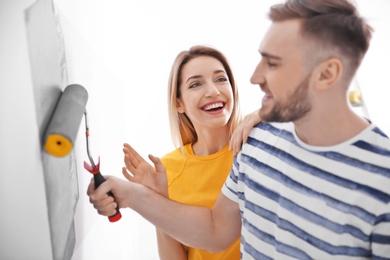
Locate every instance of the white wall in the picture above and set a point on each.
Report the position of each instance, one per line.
(373, 74)
(24, 224)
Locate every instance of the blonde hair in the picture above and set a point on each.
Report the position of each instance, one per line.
(182, 129)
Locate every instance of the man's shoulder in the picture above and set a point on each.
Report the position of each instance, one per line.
(273, 128)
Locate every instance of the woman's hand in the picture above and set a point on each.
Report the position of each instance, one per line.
(144, 173)
(241, 133)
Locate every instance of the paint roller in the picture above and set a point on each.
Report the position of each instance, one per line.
(62, 130)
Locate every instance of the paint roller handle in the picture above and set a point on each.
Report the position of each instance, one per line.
(99, 179)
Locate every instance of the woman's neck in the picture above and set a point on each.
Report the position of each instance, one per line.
(210, 142)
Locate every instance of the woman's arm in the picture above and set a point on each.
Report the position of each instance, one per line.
(169, 248)
(143, 173)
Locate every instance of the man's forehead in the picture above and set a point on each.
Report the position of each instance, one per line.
(281, 37)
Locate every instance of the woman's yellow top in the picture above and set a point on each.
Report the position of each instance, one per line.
(197, 180)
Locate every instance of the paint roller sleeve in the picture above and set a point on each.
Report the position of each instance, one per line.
(62, 129)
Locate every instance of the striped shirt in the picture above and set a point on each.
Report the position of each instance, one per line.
(308, 202)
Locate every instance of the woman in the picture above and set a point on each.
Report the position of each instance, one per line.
(203, 112)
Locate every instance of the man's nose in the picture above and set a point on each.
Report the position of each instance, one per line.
(258, 76)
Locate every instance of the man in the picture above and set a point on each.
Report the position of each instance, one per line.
(313, 182)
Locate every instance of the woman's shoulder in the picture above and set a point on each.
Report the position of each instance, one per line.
(174, 159)
(176, 154)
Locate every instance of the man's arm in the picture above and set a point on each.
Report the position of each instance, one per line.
(209, 229)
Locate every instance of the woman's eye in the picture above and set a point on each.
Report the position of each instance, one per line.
(221, 79)
(194, 85)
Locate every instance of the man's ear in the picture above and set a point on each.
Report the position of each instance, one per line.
(328, 73)
(179, 106)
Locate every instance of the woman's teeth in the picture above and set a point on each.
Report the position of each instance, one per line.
(213, 106)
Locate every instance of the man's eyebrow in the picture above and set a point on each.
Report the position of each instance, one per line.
(270, 56)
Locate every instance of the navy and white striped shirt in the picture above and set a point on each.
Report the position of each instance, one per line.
(308, 202)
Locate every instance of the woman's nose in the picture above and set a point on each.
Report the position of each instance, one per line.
(212, 90)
